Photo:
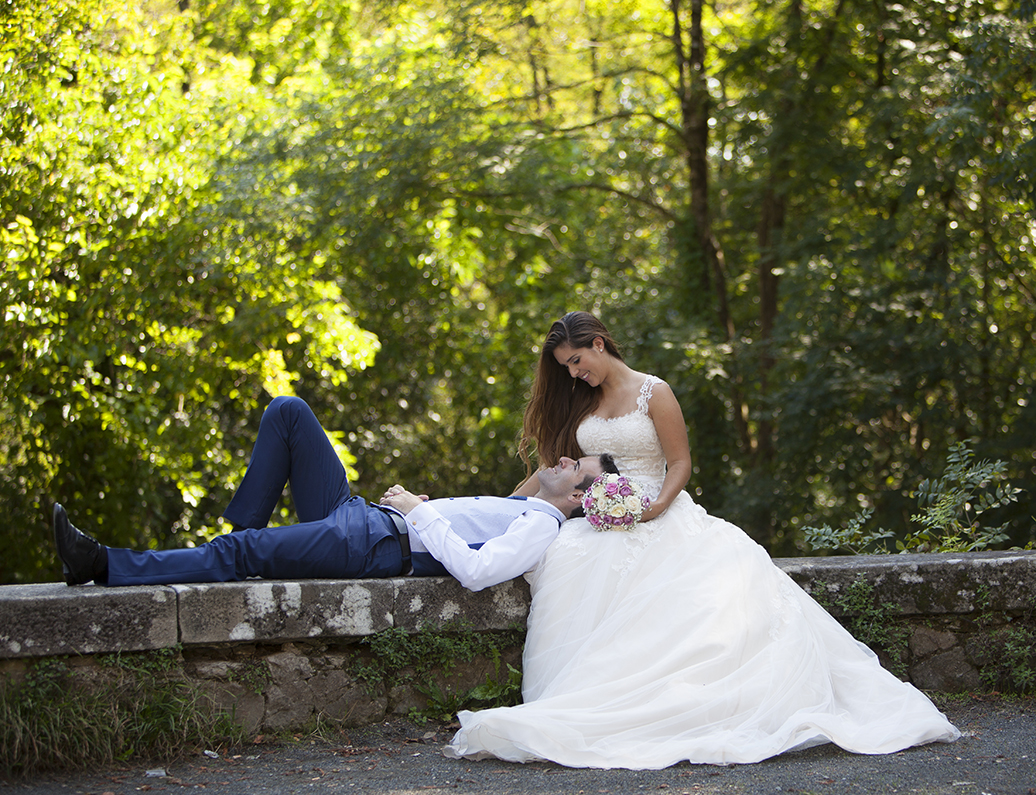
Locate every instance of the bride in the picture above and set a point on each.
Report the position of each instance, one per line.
(678, 640)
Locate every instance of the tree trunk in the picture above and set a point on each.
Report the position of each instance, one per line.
(695, 107)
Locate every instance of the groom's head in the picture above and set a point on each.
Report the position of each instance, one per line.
(565, 484)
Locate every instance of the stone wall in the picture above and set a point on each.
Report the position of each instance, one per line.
(284, 654)
(951, 615)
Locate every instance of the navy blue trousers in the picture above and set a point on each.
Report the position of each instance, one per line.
(338, 536)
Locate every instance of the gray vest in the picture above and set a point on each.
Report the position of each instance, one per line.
(476, 520)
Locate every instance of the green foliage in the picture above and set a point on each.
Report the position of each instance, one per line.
(381, 207)
(425, 659)
(443, 702)
(953, 506)
(146, 664)
(133, 358)
(141, 710)
(253, 674)
(952, 515)
(1014, 663)
(501, 692)
(1008, 652)
(853, 537)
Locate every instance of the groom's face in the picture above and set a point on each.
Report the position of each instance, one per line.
(570, 475)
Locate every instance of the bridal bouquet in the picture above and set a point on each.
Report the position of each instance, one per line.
(614, 502)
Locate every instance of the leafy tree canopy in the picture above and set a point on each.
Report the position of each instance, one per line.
(815, 221)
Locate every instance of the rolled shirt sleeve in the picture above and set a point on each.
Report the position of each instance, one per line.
(499, 559)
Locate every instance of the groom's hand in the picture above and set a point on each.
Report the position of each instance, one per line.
(401, 499)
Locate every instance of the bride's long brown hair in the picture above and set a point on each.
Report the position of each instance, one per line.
(559, 402)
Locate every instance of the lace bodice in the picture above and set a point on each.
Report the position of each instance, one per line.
(631, 439)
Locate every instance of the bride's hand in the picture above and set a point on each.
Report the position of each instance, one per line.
(653, 512)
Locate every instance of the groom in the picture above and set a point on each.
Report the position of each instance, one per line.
(481, 541)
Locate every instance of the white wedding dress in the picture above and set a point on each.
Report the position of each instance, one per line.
(681, 641)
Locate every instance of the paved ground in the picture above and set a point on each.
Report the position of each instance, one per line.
(996, 755)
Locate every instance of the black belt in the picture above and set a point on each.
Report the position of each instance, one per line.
(403, 536)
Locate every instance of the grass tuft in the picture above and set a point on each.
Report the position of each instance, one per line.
(141, 706)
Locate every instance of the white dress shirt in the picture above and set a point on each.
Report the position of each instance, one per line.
(500, 558)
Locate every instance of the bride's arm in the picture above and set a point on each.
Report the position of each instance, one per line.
(664, 410)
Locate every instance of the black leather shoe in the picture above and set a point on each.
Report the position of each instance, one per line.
(82, 558)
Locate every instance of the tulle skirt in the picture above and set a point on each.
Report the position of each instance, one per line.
(681, 641)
